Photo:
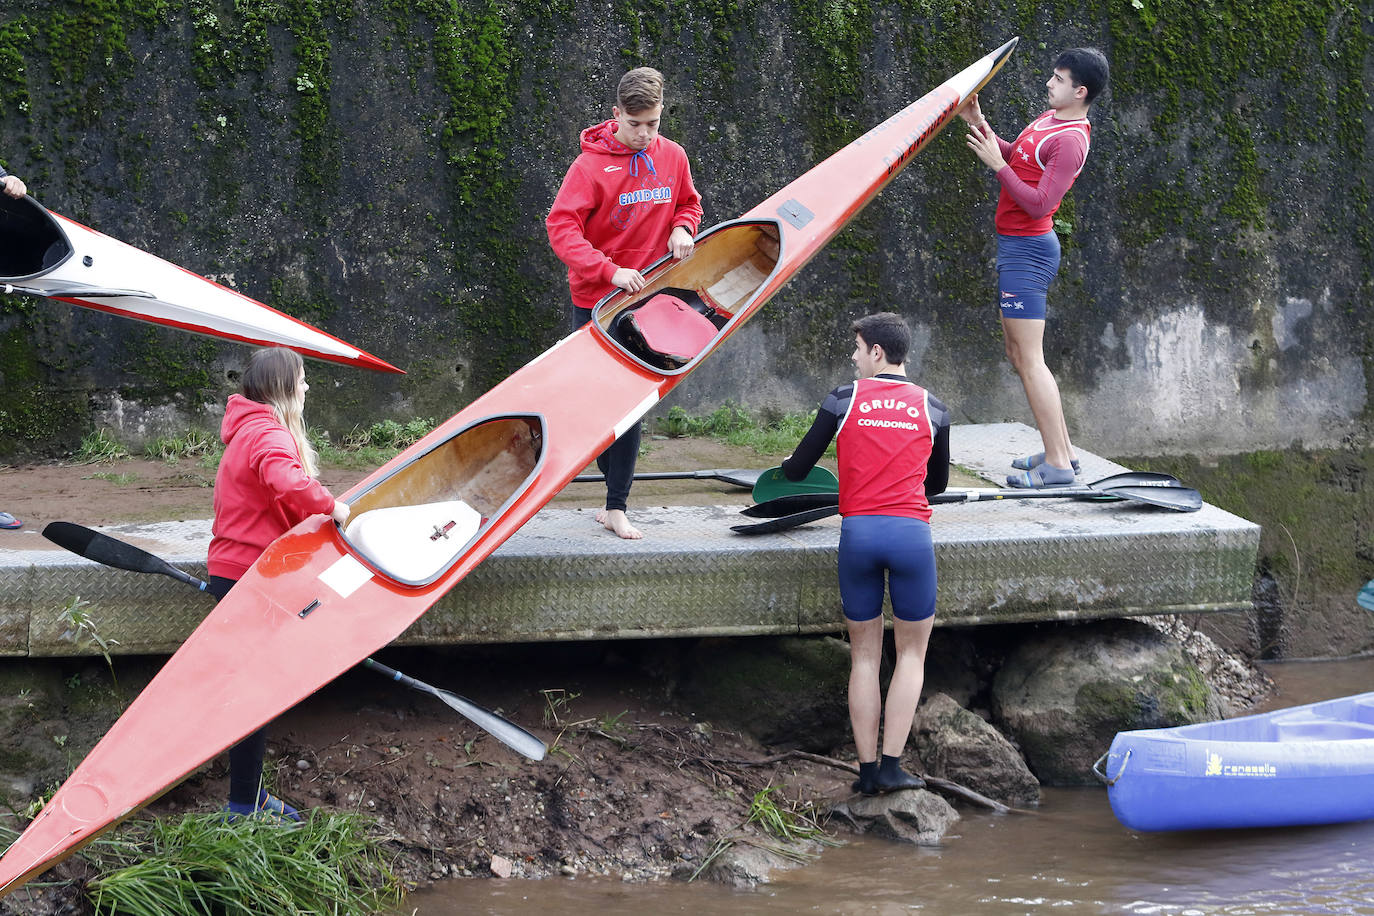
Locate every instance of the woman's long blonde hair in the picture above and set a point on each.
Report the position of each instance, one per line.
(271, 379)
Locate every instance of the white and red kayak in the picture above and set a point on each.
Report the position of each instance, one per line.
(322, 598)
(45, 254)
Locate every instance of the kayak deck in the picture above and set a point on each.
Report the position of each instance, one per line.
(563, 577)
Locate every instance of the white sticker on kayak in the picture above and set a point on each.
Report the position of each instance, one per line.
(346, 576)
(635, 414)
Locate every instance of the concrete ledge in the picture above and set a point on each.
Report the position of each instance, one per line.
(565, 577)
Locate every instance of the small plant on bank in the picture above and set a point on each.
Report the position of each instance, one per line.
(119, 480)
(197, 863)
(734, 425)
(100, 447)
(785, 823)
(389, 434)
(788, 824)
(194, 443)
(81, 627)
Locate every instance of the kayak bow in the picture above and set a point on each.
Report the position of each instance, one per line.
(46, 255)
(320, 599)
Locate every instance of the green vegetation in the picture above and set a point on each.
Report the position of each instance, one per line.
(786, 826)
(1316, 509)
(784, 821)
(82, 628)
(100, 447)
(194, 443)
(733, 425)
(196, 863)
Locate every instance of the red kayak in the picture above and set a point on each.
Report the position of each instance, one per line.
(47, 255)
(322, 598)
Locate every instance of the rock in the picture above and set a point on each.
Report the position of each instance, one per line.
(917, 816)
(958, 745)
(746, 865)
(501, 866)
(788, 692)
(1065, 694)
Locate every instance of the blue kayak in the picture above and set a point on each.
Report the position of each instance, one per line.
(1309, 764)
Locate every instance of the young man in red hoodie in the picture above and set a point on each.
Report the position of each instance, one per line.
(626, 201)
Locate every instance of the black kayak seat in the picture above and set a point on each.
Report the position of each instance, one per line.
(670, 328)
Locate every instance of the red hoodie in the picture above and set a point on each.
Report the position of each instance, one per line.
(617, 207)
(262, 490)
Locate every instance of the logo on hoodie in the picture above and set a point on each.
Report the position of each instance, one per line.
(661, 195)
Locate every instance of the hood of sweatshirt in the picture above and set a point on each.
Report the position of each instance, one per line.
(600, 138)
(241, 413)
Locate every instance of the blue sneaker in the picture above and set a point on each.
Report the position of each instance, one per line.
(268, 808)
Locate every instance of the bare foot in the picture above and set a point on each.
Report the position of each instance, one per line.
(616, 521)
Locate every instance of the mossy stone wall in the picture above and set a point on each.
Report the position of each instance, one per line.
(383, 170)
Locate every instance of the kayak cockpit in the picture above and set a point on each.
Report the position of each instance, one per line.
(687, 305)
(31, 241)
(419, 520)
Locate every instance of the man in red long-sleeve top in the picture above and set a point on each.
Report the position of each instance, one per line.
(1035, 173)
(627, 200)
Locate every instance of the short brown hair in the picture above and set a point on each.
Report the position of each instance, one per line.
(640, 90)
(889, 331)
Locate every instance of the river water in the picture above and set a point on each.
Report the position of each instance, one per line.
(1073, 857)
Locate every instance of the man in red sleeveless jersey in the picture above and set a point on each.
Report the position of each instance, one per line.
(1035, 173)
(892, 441)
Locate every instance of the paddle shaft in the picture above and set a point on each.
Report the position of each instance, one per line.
(118, 554)
(745, 479)
(1179, 499)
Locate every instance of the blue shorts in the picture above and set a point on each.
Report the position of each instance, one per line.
(871, 545)
(1025, 266)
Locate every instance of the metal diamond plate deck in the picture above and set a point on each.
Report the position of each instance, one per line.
(565, 577)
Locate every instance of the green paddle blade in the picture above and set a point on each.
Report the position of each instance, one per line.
(772, 484)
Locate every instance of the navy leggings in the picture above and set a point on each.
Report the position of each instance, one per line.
(901, 548)
(245, 758)
(617, 463)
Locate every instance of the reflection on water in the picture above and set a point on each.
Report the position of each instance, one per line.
(1073, 857)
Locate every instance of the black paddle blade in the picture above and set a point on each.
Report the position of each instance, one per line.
(787, 505)
(787, 521)
(104, 550)
(108, 551)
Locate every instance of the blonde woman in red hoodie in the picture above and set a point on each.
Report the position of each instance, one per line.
(265, 486)
(627, 200)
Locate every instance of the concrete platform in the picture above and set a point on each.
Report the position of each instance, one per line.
(564, 577)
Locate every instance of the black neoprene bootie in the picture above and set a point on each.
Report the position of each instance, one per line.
(867, 783)
(891, 777)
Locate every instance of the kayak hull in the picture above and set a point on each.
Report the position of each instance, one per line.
(320, 598)
(47, 255)
(1310, 764)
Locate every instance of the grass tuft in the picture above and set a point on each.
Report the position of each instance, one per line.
(100, 447)
(196, 443)
(734, 425)
(197, 863)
